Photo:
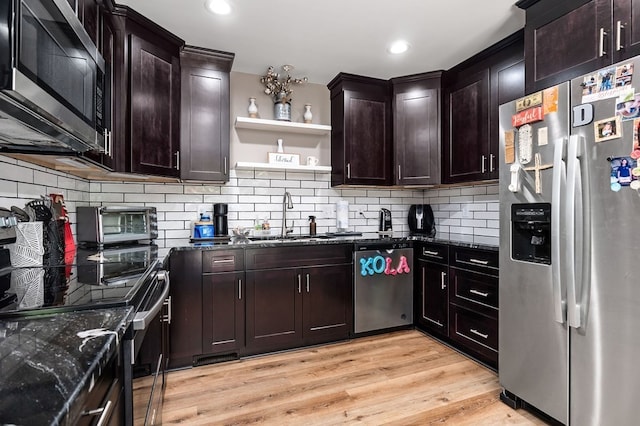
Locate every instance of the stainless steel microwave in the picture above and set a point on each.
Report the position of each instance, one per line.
(52, 80)
(115, 225)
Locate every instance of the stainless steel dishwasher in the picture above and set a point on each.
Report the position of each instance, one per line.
(383, 285)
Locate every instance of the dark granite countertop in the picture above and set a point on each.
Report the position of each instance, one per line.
(454, 240)
(47, 370)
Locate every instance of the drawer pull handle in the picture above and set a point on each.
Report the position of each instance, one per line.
(479, 293)
(223, 260)
(477, 333)
(299, 284)
(438, 323)
(479, 262)
(431, 253)
(443, 277)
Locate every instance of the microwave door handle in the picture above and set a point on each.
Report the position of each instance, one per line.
(143, 318)
(557, 241)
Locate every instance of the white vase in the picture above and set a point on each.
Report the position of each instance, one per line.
(307, 116)
(253, 108)
(280, 147)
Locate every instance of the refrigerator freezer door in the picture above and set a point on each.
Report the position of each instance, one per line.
(533, 346)
(605, 378)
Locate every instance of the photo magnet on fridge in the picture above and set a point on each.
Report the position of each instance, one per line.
(609, 128)
(622, 172)
(628, 105)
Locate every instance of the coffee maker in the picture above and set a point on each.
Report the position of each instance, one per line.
(220, 211)
(421, 221)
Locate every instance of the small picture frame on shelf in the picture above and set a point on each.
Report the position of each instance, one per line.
(284, 159)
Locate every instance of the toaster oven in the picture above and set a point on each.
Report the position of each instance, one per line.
(107, 225)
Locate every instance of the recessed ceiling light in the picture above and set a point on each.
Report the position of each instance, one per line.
(219, 7)
(399, 46)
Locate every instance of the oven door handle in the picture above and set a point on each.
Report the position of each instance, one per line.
(142, 319)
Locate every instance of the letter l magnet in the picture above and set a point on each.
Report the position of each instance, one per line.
(582, 115)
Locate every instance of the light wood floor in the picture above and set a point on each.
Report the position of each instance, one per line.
(401, 378)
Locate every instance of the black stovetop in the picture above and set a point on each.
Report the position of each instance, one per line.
(116, 276)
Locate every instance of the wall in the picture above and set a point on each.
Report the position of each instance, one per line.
(252, 145)
(462, 213)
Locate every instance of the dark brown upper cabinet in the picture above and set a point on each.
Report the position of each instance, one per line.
(204, 126)
(361, 131)
(567, 39)
(416, 129)
(150, 137)
(473, 92)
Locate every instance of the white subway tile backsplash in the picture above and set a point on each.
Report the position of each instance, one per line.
(9, 189)
(161, 188)
(253, 182)
(184, 198)
(144, 198)
(474, 190)
(273, 175)
(106, 197)
(470, 213)
(123, 187)
(494, 215)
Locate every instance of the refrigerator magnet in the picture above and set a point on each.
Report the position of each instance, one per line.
(509, 147)
(621, 172)
(550, 100)
(609, 128)
(624, 74)
(628, 105)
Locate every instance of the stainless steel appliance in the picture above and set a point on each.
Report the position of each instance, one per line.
(421, 221)
(116, 224)
(54, 289)
(383, 285)
(568, 338)
(52, 94)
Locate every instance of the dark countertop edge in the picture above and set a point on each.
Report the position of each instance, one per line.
(68, 412)
(334, 240)
(101, 358)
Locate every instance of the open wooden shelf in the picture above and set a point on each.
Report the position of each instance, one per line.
(281, 126)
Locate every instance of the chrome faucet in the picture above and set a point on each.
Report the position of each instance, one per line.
(286, 204)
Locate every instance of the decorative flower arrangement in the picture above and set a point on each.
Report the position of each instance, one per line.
(278, 87)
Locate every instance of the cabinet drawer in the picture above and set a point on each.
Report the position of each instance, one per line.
(471, 288)
(481, 260)
(474, 331)
(294, 256)
(222, 261)
(433, 252)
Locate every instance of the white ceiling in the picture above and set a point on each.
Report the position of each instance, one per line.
(321, 38)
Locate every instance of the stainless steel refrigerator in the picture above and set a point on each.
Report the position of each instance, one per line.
(569, 340)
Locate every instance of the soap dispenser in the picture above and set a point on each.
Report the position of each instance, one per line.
(312, 225)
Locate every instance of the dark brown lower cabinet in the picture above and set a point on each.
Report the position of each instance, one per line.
(458, 298)
(433, 313)
(185, 272)
(327, 303)
(473, 303)
(274, 308)
(223, 312)
(289, 306)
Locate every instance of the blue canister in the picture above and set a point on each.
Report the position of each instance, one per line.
(204, 227)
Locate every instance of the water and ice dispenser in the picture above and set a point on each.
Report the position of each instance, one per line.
(531, 232)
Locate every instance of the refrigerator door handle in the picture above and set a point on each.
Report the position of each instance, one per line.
(557, 224)
(575, 229)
